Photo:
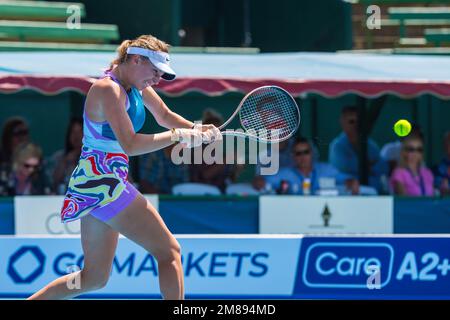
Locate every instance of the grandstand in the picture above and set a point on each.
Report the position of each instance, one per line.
(416, 27)
(42, 25)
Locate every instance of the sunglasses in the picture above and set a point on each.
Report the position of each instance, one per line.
(302, 152)
(412, 149)
(351, 121)
(30, 166)
(20, 132)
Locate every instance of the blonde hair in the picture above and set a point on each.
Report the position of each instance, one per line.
(145, 41)
(25, 151)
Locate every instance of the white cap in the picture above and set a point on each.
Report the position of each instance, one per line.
(159, 59)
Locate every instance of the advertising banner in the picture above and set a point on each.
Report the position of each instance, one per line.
(213, 266)
(41, 215)
(400, 267)
(318, 215)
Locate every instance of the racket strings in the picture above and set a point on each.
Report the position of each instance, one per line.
(270, 112)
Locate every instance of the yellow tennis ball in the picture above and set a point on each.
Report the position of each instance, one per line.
(402, 127)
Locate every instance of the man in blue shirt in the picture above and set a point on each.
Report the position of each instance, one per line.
(343, 150)
(307, 173)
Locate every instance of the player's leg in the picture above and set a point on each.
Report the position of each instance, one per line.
(99, 242)
(141, 223)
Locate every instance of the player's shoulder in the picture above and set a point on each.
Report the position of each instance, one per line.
(105, 85)
(106, 89)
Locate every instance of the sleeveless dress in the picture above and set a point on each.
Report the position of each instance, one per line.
(99, 184)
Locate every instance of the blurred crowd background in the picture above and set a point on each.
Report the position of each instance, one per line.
(397, 167)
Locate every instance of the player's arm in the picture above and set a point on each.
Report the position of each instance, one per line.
(110, 97)
(169, 119)
(163, 115)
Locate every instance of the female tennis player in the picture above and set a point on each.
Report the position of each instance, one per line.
(99, 193)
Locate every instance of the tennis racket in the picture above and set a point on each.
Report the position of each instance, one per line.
(268, 114)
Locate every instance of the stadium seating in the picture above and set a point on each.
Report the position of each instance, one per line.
(363, 191)
(437, 36)
(38, 10)
(194, 189)
(33, 30)
(42, 25)
(245, 189)
(405, 27)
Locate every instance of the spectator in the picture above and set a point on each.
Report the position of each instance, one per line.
(285, 155)
(305, 175)
(219, 175)
(412, 177)
(158, 174)
(285, 160)
(343, 150)
(390, 152)
(62, 163)
(26, 176)
(442, 170)
(15, 132)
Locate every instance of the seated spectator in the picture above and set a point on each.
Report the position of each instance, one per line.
(217, 174)
(343, 150)
(62, 163)
(285, 160)
(285, 155)
(442, 170)
(158, 174)
(390, 152)
(305, 175)
(412, 177)
(15, 132)
(26, 176)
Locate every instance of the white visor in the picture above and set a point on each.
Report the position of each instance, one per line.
(159, 59)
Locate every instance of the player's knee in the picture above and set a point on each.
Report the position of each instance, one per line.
(94, 281)
(170, 253)
(102, 281)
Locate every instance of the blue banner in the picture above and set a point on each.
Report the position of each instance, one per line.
(422, 215)
(412, 267)
(255, 267)
(210, 216)
(6, 217)
(214, 266)
(223, 216)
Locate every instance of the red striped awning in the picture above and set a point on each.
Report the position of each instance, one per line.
(52, 85)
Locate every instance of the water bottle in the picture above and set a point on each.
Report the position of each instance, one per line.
(306, 186)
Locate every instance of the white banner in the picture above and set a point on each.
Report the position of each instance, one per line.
(308, 215)
(213, 265)
(41, 215)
